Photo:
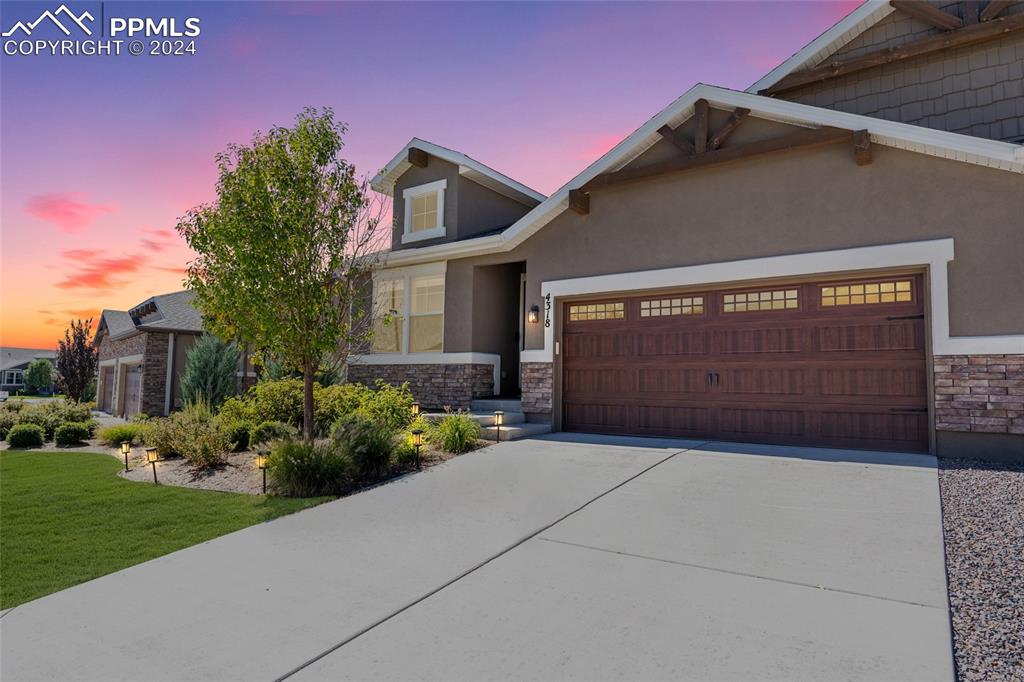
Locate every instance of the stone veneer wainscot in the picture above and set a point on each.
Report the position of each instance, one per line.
(536, 382)
(979, 393)
(434, 386)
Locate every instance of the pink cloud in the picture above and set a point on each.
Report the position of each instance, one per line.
(99, 272)
(67, 210)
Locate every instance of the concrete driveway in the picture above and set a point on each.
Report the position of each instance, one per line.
(563, 557)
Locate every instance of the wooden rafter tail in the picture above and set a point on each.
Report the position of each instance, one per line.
(735, 119)
(418, 157)
(677, 138)
(971, 11)
(700, 126)
(862, 147)
(925, 12)
(967, 35)
(579, 201)
(803, 139)
(993, 9)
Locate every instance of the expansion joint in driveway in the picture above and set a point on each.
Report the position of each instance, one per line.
(480, 565)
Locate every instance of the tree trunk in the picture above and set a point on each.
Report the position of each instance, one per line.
(307, 400)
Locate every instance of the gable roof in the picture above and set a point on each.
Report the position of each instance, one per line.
(384, 181)
(15, 357)
(828, 43)
(976, 150)
(164, 312)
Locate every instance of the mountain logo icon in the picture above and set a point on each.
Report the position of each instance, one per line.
(70, 16)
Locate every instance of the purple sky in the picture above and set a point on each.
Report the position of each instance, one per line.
(101, 155)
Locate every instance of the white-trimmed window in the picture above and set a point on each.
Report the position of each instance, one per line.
(409, 310)
(424, 211)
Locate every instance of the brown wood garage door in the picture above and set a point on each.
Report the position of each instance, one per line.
(132, 390)
(838, 362)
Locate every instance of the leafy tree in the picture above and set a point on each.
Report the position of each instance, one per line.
(38, 375)
(211, 371)
(77, 360)
(285, 250)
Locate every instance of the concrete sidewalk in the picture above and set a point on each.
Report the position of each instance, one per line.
(568, 557)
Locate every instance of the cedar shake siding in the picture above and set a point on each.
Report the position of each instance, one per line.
(974, 90)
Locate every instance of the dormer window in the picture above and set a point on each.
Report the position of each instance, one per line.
(424, 211)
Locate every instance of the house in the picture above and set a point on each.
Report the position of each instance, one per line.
(14, 362)
(143, 352)
(832, 257)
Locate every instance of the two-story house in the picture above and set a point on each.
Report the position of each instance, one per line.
(834, 256)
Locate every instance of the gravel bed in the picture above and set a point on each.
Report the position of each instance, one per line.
(983, 521)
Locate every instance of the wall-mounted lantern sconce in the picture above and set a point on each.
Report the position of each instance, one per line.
(151, 456)
(533, 317)
(126, 449)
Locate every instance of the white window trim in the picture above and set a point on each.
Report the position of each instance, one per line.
(438, 186)
(934, 255)
(407, 275)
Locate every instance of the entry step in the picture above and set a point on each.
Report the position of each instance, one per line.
(484, 418)
(516, 431)
(492, 404)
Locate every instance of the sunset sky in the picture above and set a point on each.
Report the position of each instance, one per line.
(100, 155)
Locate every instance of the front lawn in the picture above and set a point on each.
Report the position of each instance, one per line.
(68, 518)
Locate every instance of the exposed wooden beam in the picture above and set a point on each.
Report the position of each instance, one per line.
(862, 147)
(928, 14)
(735, 119)
(700, 126)
(802, 139)
(579, 201)
(677, 138)
(418, 157)
(967, 35)
(993, 9)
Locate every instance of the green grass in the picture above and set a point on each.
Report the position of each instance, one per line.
(66, 518)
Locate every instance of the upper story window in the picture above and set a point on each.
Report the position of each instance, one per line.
(424, 211)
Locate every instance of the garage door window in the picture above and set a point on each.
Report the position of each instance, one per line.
(751, 301)
(597, 311)
(897, 291)
(660, 307)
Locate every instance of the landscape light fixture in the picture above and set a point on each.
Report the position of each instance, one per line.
(151, 456)
(417, 441)
(126, 449)
(533, 317)
(415, 410)
(499, 418)
(261, 463)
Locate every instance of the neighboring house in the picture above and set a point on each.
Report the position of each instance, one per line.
(14, 362)
(143, 352)
(823, 259)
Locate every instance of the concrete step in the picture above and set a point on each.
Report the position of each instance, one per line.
(516, 431)
(490, 405)
(484, 418)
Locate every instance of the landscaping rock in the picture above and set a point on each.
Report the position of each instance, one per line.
(983, 521)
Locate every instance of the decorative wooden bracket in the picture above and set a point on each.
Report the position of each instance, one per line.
(990, 27)
(418, 157)
(579, 201)
(928, 14)
(862, 147)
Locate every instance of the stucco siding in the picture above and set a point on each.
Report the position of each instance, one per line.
(975, 90)
(788, 203)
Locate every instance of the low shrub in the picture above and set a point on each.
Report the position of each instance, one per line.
(238, 433)
(71, 433)
(26, 436)
(159, 434)
(368, 444)
(301, 469)
(387, 405)
(118, 433)
(456, 432)
(275, 401)
(8, 418)
(197, 436)
(267, 432)
(50, 415)
(140, 417)
(331, 403)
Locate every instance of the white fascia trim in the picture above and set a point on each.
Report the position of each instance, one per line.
(384, 182)
(932, 254)
(465, 358)
(828, 43)
(965, 148)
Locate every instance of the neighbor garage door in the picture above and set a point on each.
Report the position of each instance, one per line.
(838, 362)
(132, 390)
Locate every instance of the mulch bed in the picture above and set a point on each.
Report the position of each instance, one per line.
(983, 521)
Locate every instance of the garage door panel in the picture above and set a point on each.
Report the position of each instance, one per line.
(845, 369)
